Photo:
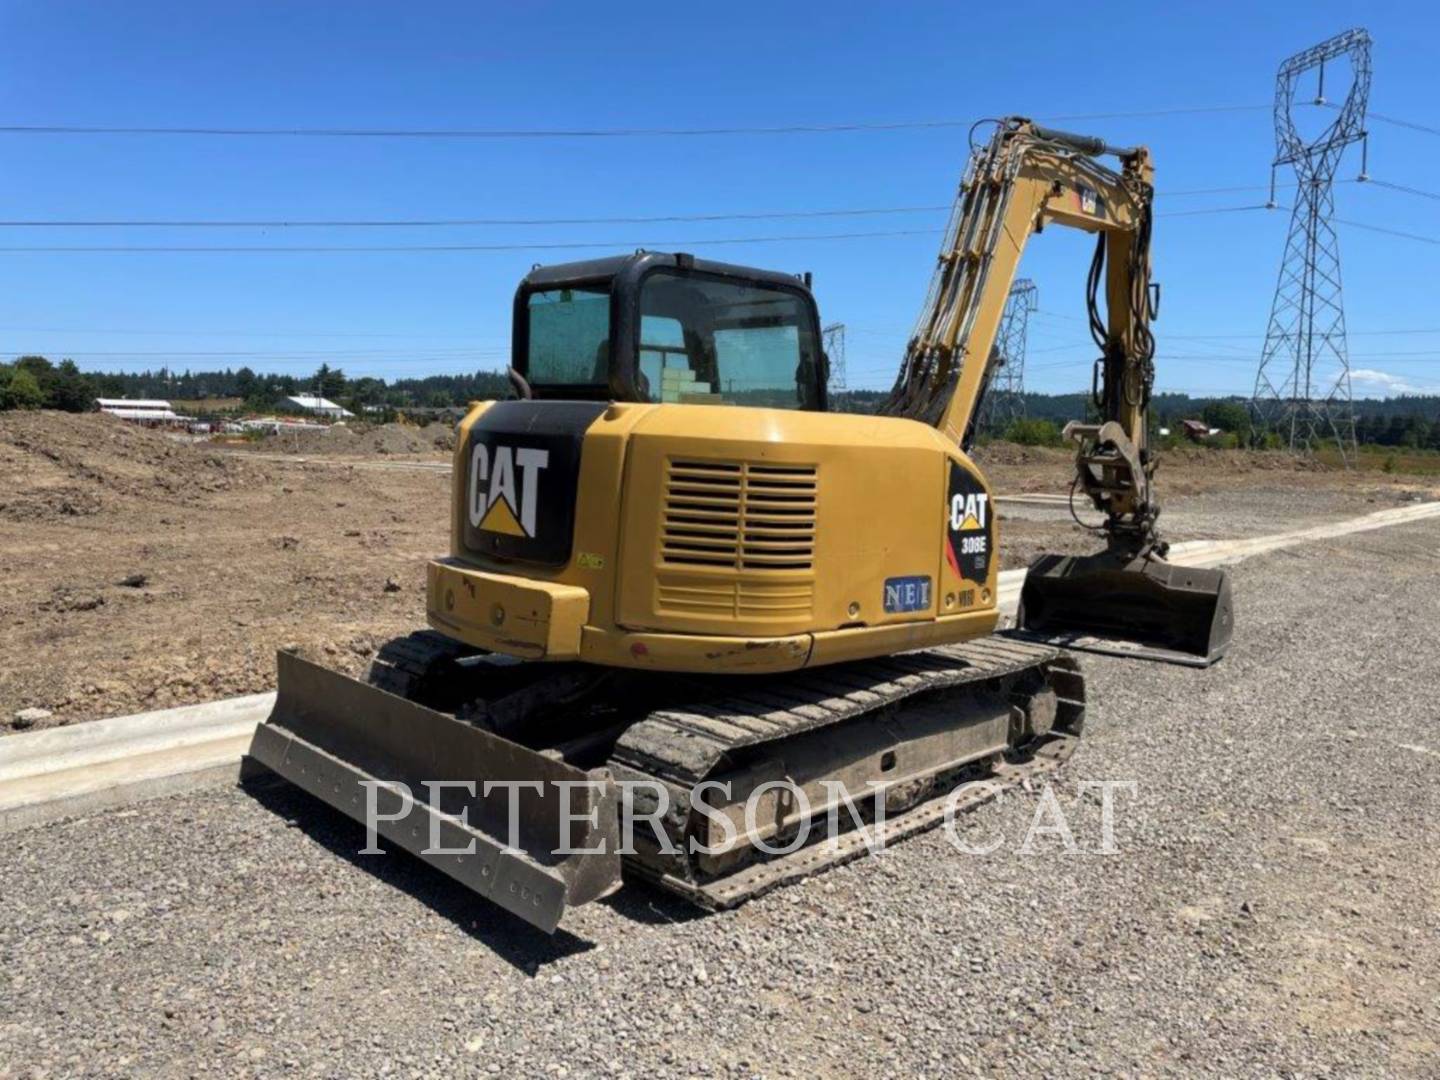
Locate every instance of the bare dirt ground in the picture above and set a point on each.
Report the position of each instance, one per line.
(1205, 495)
(355, 439)
(140, 572)
(1270, 911)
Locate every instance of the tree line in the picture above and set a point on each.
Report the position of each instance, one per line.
(1411, 421)
(33, 382)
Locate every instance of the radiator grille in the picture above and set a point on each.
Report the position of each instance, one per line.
(693, 595)
(741, 515)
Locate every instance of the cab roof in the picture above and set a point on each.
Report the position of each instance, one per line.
(613, 266)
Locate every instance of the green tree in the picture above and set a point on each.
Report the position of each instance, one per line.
(70, 389)
(1230, 417)
(1033, 433)
(19, 389)
(329, 382)
(36, 365)
(40, 369)
(1418, 434)
(245, 383)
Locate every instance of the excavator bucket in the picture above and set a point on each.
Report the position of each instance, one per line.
(1137, 607)
(504, 820)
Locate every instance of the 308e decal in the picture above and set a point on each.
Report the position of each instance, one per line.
(969, 528)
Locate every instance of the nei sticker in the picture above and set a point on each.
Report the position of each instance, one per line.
(907, 593)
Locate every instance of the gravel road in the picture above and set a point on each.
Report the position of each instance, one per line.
(1272, 908)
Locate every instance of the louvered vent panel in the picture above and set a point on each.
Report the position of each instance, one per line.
(741, 515)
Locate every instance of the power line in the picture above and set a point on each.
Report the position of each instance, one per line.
(412, 223)
(323, 249)
(577, 133)
(360, 365)
(758, 215)
(471, 133)
(462, 222)
(1412, 355)
(1404, 188)
(1218, 210)
(1247, 335)
(451, 354)
(1402, 123)
(1387, 232)
(659, 245)
(235, 333)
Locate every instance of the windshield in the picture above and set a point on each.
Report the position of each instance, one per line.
(714, 341)
(569, 336)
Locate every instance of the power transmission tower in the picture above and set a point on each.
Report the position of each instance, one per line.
(834, 346)
(1004, 400)
(1302, 390)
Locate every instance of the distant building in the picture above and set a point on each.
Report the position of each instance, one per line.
(273, 425)
(1197, 430)
(152, 412)
(314, 406)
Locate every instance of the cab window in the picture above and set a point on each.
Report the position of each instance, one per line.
(662, 345)
(569, 337)
(711, 341)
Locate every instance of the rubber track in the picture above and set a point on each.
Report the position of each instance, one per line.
(680, 747)
(405, 665)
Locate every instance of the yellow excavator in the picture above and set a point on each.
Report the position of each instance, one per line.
(688, 614)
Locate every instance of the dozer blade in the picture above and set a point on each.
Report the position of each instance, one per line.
(336, 737)
(1143, 608)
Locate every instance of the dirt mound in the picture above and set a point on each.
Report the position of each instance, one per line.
(362, 439)
(1239, 461)
(1006, 453)
(1183, 457)
(404, 439)
(1187, 469)
(55, 464)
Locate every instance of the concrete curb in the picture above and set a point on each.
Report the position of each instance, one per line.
(62, 772)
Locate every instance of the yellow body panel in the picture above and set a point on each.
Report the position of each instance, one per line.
(721, 538)
(539, 620)
(830, 508)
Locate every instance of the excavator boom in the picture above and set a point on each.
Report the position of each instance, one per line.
(1125, 599)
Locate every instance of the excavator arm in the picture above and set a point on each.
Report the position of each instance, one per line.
(1027, 178)
(1126, 599)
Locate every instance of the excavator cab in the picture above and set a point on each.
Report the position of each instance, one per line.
(659, 327)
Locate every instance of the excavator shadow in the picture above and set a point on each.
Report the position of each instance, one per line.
(515, 941)
(640, 902)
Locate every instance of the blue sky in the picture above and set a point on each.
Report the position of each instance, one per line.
(545, 65)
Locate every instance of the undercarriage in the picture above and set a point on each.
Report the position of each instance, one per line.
(717, 788)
